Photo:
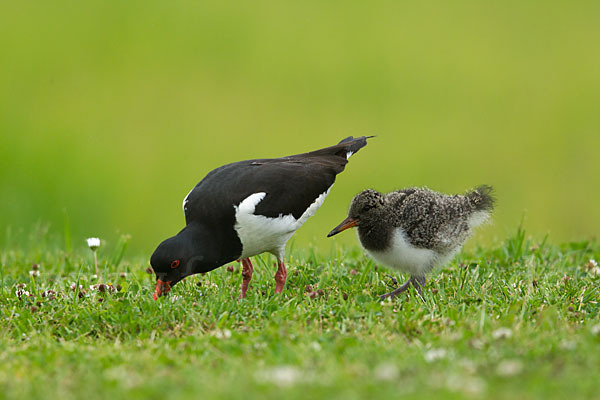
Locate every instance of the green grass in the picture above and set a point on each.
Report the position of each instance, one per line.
(518, 320)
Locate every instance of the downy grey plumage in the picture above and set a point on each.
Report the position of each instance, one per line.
(416, 229)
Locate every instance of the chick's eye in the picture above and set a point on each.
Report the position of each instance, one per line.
(175, 264)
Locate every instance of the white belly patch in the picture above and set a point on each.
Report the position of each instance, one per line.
(259, 233)
(404, 256)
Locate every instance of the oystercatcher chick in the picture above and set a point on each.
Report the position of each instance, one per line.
(414, 230)
(246, 208)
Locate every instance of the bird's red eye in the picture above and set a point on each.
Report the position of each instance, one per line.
(175, 264)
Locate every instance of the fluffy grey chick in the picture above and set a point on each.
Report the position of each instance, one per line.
(415, 230)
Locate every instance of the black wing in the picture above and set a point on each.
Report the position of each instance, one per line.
(291, 184)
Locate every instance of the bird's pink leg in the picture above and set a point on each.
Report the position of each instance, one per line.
(247, 269)
(280, 276)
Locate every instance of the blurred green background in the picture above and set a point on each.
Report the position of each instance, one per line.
(110, 111)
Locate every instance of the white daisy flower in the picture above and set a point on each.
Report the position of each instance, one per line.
(509, 367)
(93, 243)
(222, 334)
(592, 267)
(282, 376)
(502, 333)
(386, 372)
(435, 354)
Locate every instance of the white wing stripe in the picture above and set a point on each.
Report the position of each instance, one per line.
(185, 200)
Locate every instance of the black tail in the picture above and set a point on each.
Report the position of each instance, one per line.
(482, 198)
(345, 148)
(352, 145)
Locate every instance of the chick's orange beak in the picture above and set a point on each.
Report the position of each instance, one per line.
(347, 223)
(162, 288)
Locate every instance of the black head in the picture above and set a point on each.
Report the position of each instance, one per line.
(363, 205)
(174, 259)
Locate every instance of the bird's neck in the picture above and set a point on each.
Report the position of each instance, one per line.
(205, 247)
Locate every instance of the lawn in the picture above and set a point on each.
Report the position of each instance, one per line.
(515, 320)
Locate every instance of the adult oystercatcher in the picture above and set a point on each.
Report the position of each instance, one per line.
(415, 230)
(246, 208)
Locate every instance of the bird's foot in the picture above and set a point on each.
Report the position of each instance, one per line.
(280, 276)
(419, 283)
(394, 281)
(397, 291)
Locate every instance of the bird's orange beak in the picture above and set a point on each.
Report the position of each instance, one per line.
(347, 223)
(162, 288)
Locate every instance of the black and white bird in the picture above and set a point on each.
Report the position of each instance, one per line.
(246, 208)
(416, 229)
